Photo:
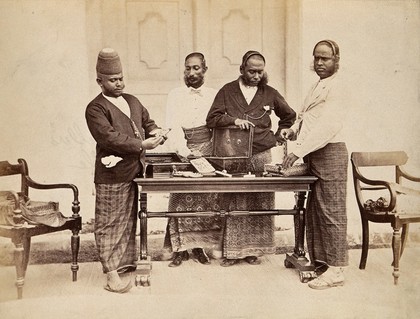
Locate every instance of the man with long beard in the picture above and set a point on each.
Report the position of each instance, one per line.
(245, 102)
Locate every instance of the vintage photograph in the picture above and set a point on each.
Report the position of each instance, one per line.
(232, 159)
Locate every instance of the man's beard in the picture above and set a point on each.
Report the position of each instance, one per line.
(199, 81)
(263, 81)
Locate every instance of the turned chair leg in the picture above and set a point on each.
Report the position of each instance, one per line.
(27, 251)
(19, 256)
(396, 249)
(404, 236)
(75, 244)
(365, 243)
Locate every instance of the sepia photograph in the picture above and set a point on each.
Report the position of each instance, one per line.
(210, 159)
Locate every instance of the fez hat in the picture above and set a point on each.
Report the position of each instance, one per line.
(108, 62)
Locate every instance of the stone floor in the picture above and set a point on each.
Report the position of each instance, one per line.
(196, 291)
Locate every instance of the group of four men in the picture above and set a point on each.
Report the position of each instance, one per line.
(123, 131)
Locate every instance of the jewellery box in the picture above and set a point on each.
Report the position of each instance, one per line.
(164, 164)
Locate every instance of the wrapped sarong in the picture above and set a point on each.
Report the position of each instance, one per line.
(244, 235)
(195, 232)
(115, 225)
(326, 216)
(199, 138)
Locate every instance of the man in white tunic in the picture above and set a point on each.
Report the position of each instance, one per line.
(319, 141)
(186, 111)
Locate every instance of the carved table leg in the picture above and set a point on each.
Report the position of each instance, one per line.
(144, 264)
(298, 259)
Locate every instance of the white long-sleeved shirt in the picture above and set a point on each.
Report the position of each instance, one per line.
(186, 107)
(321, 118)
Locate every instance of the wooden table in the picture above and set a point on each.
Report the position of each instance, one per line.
(300, 185)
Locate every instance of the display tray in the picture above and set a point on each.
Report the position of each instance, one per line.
(164, 164)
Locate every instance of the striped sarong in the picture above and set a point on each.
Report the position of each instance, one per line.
(195, 232)
(115, 225)
(244, 235)
(326, 216)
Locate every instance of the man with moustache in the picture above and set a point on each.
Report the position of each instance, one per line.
(320, 142)
(123, 131)
(245, 102)
(186, 109)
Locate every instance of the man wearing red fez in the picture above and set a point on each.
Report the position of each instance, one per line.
(123, 130)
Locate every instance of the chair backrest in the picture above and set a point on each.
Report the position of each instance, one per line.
(7, 169)
(372, 159)
(396, 158)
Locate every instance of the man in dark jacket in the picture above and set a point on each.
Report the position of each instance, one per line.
(123, 130)
(245, 102)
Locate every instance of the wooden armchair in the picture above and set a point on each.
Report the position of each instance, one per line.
(392, 207)
(20, 228)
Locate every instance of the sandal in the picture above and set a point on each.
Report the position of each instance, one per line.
(229, 262)
(323, 282)
(120, 289)
(253, 260)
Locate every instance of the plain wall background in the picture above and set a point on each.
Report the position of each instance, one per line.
(46, 81)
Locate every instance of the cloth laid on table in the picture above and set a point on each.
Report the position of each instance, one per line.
(115, 232)
(295, 170)
(326, 216)
(33, 212)
(245, 235)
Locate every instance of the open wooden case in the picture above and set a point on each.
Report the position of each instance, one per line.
(164, 164)
(232, 147)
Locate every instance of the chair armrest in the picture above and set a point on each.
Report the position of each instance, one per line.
(405, 190)
(75, 207)
(403, 173)
(386, 185)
